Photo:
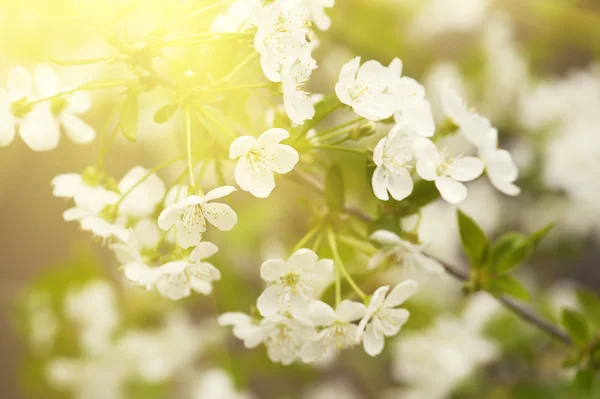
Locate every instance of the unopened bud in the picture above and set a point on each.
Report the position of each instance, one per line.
(365, 129)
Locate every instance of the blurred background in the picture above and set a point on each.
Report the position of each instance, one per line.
(531, 66)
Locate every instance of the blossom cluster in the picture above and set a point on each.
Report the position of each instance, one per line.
(294, 324)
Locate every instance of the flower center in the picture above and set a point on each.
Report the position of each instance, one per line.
(193, 217)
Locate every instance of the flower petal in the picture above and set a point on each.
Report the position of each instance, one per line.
(302, 260)
(378, 151)
(40, 130)
(79, 102)
(169, 216)
(400, 185)
(268, 302)
(203, 250)
(259, 184)
(222, 216)
(66, 185)
(78, 130)
(272, 269)
(350, 311)
(373, 341)
(466, 169)
(272, 136)
(18, 83)
(321, 314)
(452, 191)
(386, 238)
(241, 146)
(401, 293)
(46, 80)
(188, 236)
(219, 192)
(379, 183)
(284, 158)
(233, 318)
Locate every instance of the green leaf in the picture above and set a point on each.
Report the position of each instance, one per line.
(334, 189)
(474, 240)
(590, 305)
(583, 382)
(576, 325)
(538, 236)
(509, 285)
(509, 252)
(164, 113)
(130, 116)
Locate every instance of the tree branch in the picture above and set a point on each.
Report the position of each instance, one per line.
(524, 312)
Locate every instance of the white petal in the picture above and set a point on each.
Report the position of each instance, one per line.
(222, 216)
(311, 351)
(7, 120)
(201, 286)
(270, 68)
(233, 318)
(500, 164)
(427, 169)
(284, 158)
(79, 102)
(75, 213)
(169, 216)
(272, 269)
(188, 237)
(378, 297)
(350, 311)
(505, 187)
(203, 250)
(18, 83)
(379, 183)
(78, 130)
(40, 130)
(452, 191)
(466, 169)
(395, 319)
(298, 107)
(399, 185)
(378, 151)
(268, 302)
(66, 185)
(401, 293)
(376, 74)
(259, 184)
(395, 67)
(46, 80)
(349, 70)
(430, 265)
(320, 313)
(373, 341)
(302, 260)
(386, 238)
(425, 149)
(241, 146)
(219, 192)
(272, 136)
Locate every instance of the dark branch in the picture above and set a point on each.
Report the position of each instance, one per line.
(522, 311)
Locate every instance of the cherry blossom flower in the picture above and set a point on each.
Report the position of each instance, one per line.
(364, 88)
(404, 252)
(189, 216)
(216, 384)
(411, 106)
(177, 279)
(294, 283)
(338, 333)
(382, 318)
(260, 159)
(280, 38)
(234, 19)
(448, 173)
(391, 155)
(297, 103)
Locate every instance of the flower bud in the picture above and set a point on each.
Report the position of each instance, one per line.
(364, 129)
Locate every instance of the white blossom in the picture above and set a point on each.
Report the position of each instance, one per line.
(190, 215)
(216, 384)
(405, 252)
(177, 279)
(448, 173)
(411, 107)
(382, 318)
(234, 19)
(364, 88)
(280, 38)
(294, 283)
(297, 103)
(260, 159)
(391, 155)
(338, 331)
(143, 199)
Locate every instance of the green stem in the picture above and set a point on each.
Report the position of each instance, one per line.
(208, 115)
(325, 133)
(239, 67)
(318, 241)
(147, 176)
(188, 135)
(361, 245)
(340, 265)
(233, 88)
(307, 237)
(103, 143)
(88, 86)
(338, 148)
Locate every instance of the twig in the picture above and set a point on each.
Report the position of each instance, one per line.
(524, 312)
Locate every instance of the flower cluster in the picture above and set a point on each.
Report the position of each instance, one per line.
(33, 107)
(295, 324)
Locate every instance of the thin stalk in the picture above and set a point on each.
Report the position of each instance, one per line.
(340, 265)
(88, 86)
(207, 114)
(239, 67)
(147, 176)
(188, 135)
(198, 12)
(307, 237)
(339, 148)
(234, 88)
(326, 132)
(208, 37)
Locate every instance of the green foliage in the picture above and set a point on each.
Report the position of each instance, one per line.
(424, 192)
(509, 252)
(510, 286)
(583, 383)
(130, 116)
(334, 189)
(576, 325)
(475, 243)
(590, 306)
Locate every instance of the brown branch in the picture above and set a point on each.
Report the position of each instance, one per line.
(524, 312)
